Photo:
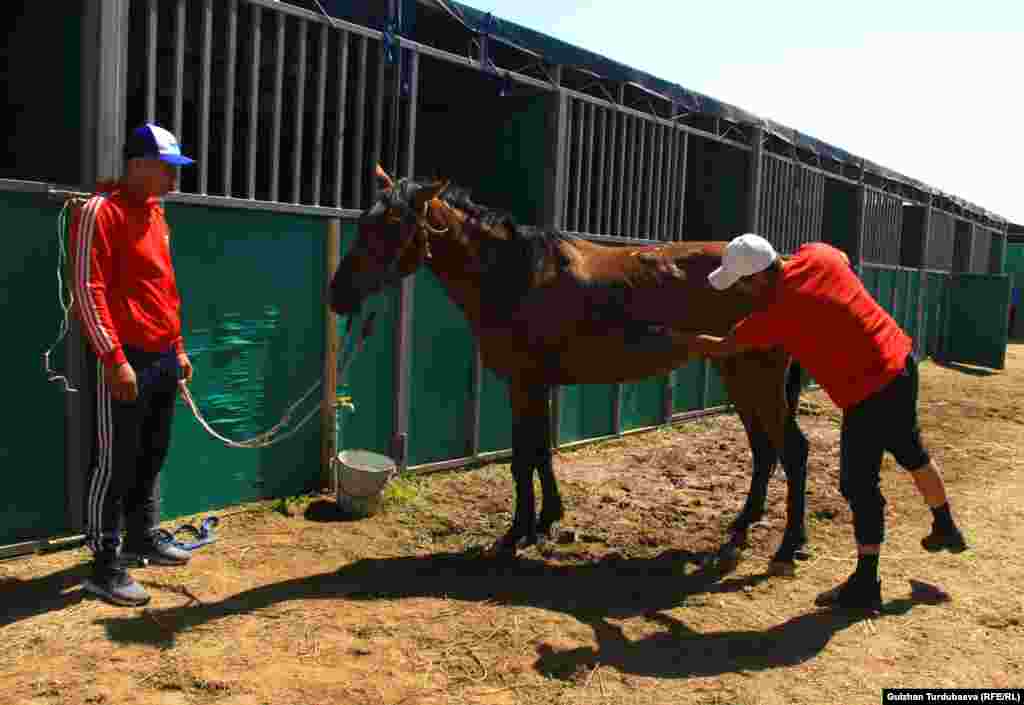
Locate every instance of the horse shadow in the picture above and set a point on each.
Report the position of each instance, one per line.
(612, 588)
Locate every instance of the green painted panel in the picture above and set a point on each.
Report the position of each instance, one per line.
(441, 376)
(495, 414)
(716, 394)
(252, 313)
(643, 403)
(911, 324)
(586, 411)
(869, 275)
(688, 391)
(32, 448)
(899, 309)
(935, 310)
(1015, 261)
(978, 310)
(885, 287)
(370, 378)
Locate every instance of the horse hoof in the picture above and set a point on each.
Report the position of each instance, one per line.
(782, 568)
(501, 550)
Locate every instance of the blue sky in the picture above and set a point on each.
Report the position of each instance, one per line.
(934, 90)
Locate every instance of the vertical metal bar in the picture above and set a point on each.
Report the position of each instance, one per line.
(204, 97)
(768, 203)
(684, 167)
(617, 409)
(755, 170)
(378, 116)
(621, 185)
(328, 409)
(302, 40)
(319, 116)
(255, 61)
(179, 68)
(153, 39)
(275, 140)
(358, 170)
(791, 204)
(657, 173)
(403, 320)
(629, 189)
(611, 190)
(476, 403)
(588, 169)
(339, 143)
(577, 141)
(642, 180)
(556, 134)
(600, 166)
(229, 97)
(668, 214)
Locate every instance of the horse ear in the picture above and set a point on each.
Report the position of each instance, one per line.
(383, 176)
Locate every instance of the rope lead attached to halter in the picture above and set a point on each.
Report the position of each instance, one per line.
(71, 202)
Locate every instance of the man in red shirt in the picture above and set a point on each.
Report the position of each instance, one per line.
(814, 305)
(128, 306)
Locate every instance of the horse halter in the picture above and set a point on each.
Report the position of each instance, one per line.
(423, 224)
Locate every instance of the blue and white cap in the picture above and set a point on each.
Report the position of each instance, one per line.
(154, 142)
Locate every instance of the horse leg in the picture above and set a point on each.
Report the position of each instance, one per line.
(551, 511)
(530, 419)
(794, 461)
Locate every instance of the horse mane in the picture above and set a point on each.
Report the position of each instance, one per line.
(507, 266)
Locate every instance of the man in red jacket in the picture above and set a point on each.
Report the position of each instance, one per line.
(128, 306)
(815, 306)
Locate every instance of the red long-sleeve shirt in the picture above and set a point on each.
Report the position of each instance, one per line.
(123, 279)
(826, 319)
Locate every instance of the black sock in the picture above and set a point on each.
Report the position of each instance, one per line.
(867, 566)
(943, 519)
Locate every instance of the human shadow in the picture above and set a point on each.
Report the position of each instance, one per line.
(613, 587)
(682, 652)
(22, 599)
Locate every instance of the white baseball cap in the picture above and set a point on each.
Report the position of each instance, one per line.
(744, 256)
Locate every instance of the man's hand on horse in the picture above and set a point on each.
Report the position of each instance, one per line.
(713, 346)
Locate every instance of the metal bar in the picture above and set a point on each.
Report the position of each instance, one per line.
(555, 163)
(433, 52)
(476, 403)
(339, 143)
(601, 166)
(756, 169)
(619, 205)
(229, 97)
(657, 173)
(153, 40)
(643, 180)
(358, 171)
(319, 116)
(403, 319)
(328, 403)
(671, 199)
(617, 410)
(770, 206)
(588, 170)
(275, 140)
(577, 142)
(378, 117)
(179, 69)
(611, 156)
(206, 61)
(302, 40)
(255, 61)
(196, 199)
(684, 170)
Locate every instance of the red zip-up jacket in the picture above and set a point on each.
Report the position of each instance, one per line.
(123, 279)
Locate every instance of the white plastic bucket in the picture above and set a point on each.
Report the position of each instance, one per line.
(360, 478)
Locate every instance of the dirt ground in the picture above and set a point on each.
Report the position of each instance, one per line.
(310, 609)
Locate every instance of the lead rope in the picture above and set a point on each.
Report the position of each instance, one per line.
(267, 439)
(70, 203)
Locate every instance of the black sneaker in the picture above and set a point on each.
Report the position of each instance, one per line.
(156, 549)
(855, 593)
(116, 586)
(944, 539)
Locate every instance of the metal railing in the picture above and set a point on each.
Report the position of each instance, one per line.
(883, 225)
(792, 203)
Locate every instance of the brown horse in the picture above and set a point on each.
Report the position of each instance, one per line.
(552, 309)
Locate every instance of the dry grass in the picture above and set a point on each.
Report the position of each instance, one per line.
(308, 608)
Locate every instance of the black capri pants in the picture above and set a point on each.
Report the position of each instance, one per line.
(885, 421)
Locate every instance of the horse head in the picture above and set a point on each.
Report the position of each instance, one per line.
(393, 241)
